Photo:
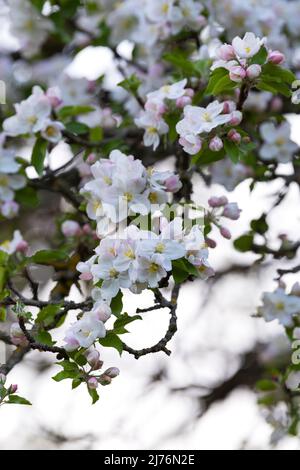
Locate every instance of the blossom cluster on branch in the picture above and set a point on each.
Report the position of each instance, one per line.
(195, 91)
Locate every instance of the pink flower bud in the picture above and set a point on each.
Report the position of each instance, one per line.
(229, 107)
(276, 104)
(226, 52)
(22, 247)
(276, 57)
(218, 201)
(13, 389)
(173, 184)
(70, 228)
(234, 136)
(225, 233)
(105, 380)
(237, 73)
(102, 312)
(253, 71)
(236, 118)
(86, 276)
(231, 211)
(17, 336)
(87, 229)
(93, 383)
(53, 95)
(189, 92)
(216, 144)
(93, 358)
(210, 242)
(112, 372)
(183, 101)
(91, 159)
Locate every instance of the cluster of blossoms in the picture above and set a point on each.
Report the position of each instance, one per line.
(157, 104)
(122, 186)
(199, 122)
(10, 182)
(28, 26)
(33, 115)
(155, 21)
(238, 57)
(277, 143)
(221, 208)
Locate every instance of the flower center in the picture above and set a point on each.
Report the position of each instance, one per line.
(153, 268)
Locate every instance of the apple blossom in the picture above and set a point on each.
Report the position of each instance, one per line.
(31, 115)
(247, 47)
(277, 142)
(279, 306)
(84, 333)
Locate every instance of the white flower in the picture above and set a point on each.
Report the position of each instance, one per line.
(293, 381)
(170, 92)
(152, 269)
(280, 306)
(28, 26)
(247, 47)
(31, 115)
(277, 143)
(9, 184)
(199, 120)
(154, 126)
(228, 174)
(11, 246)
(74, 91)
(191, 144)
(169, 250)
(196, 248)
(84, 333)
(162, 11)
(52, 131)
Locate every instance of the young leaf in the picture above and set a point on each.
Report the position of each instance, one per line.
(39, 154)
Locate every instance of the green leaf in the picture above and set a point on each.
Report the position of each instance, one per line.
(276, 71)
(73, 111)
(3, 277)
(44, 337)
(27, 197)
(2, 314)
(220, 82)
(131, 84)
(260, 58)
(117, 304)
(16, 400)
(39, 154)
(76, 383)
(244, 243)
(122, 321)
(232, 150)
(111, 340)
(182, 269)
(47, 314)
(185, 64)
(260, 225)
(65, 374)
(77, 128)
(266, 385)
(4, 257)
(96, 134)
(48, 256)
(94, 395)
